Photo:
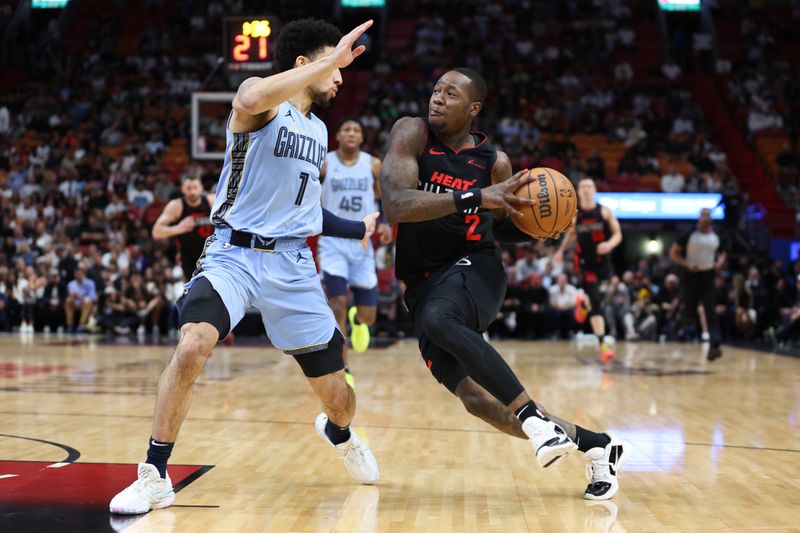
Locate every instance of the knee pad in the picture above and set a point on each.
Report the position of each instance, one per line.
(203, 304)
(325, 361)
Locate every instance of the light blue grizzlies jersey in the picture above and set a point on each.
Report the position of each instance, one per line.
(348, 191)
(270, 179)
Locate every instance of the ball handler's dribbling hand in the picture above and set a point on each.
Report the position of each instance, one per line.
(344, 54)
(369, 221)
(501, 195)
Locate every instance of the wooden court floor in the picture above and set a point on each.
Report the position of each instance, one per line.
(714, 447)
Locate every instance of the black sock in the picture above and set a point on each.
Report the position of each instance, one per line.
(528, 410)
(336, 434)
(158, 454)
(586, 440)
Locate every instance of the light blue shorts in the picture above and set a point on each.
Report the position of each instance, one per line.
(346, 259)
(282, 284)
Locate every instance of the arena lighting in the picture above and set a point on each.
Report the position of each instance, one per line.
(653, 246)
(48, 4)
(661, 205)
(363, 3)
(679, 5)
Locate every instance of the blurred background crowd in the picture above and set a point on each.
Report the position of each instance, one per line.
(94, 125)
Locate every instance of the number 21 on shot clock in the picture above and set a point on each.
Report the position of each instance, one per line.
(248, 42)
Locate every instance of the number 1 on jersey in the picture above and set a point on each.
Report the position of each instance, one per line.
(473, 221)
(303, 182)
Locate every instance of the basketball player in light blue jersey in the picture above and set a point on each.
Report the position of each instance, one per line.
(268, 203)
(350, 189)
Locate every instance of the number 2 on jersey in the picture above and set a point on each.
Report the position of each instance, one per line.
(473, 221)
(303, 182)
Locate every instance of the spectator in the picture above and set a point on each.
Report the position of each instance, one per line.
(50, 302)
(668, 302)
(81, 297)
(672, 181)
(140, 197)
(535, 300)
(562, 305)
(617, 310)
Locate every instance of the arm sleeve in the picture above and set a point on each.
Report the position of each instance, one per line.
(333, 226)
(506, 231)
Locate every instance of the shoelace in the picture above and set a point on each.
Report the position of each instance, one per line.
(355, 451)
(598, 470)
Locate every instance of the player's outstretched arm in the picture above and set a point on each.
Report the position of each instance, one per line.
(402, 202)
(257, 99)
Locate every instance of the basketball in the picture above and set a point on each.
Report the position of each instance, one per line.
(555, 207)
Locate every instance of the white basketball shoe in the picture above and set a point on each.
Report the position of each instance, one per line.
(358, 458)
(603, 467)
(549, 440)
(149, 491)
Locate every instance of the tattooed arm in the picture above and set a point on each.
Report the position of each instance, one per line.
(402, 202)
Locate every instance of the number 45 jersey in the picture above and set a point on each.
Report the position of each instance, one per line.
(348, 191)
(425, 247)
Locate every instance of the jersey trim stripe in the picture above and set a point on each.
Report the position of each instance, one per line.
(199, 265)
(239, 148)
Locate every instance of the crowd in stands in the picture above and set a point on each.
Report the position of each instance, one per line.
(764, 89)
(756, 299)
(88, 162)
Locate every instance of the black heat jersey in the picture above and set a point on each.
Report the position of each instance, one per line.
(425, 247)
(591, 229)
(191, 243)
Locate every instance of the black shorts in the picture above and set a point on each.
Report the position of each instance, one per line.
(476, 283)
(590, 283)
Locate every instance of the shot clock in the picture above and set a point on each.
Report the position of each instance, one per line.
(249, 43)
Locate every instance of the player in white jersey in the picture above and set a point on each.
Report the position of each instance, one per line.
(350, 189)
(268, 203)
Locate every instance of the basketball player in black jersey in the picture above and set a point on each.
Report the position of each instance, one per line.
(450, 193)
(187, 219)
(597, 232)
(191, 212)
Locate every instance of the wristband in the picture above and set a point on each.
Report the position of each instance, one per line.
(465, 200)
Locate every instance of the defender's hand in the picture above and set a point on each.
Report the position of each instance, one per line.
(369, 222)
(501, 195)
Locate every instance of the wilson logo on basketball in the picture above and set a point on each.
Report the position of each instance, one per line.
(545, 209)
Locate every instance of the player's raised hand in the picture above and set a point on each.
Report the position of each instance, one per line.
(369, 221)
(344, 53)
(501, 195)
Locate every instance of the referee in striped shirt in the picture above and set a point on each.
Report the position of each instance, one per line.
(698, 252)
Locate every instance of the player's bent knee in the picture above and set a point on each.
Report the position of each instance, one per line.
(198, 338)
(324, 361)
(435, 318)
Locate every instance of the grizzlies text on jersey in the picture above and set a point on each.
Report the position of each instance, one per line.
(269, 184)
